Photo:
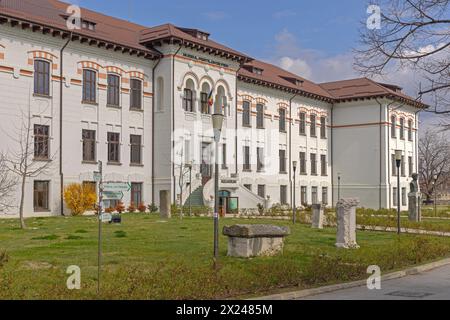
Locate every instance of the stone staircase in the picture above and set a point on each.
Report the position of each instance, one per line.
(196, 197)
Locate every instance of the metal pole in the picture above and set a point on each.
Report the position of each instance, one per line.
(435, 199)
(339, 188)
(398, 197)
(216, 204)
(294, 211)
(190, 189)
(100, 201)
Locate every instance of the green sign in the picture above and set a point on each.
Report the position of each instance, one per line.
(112, 195)
(117, 186)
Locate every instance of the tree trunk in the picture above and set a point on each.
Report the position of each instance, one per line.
(22, 198)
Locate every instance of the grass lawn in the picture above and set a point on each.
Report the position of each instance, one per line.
(147, 258)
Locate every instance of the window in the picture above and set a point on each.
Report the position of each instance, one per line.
(204, 102)
(224, 156)
(313, 164)
(188, 100)
(41, 195)
(136, 193)
(282, 154)
(135, 94)
(313, 125)
(42, 77)
(89, 145)
(323, 127)
(402, 166)
(262, 190)
(393, 125)
(113, 90)
(135, 149)
(302, 123)
(394, 165)
(260, 116)
(314, 195)
(247, 166)
(246, 114)
(282, 124)
(248, 187)
(323, 165)
(260, 159)
(402, 128)
(410, 166)
(113, 147)
(89, 86)
(403, 196)
(410, 129)
(394, 196)
(110, 203)
(302, 162)
(325, 195)
(41, 142)
(303, 195)
(88, 25)
(283, 194)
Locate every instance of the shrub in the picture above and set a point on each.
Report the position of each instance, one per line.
(110, 210)
(141, 208)
(152, 208)
(120, 207)
(79, 198)
(131, 208)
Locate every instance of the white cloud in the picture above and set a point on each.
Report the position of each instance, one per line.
(297, 66)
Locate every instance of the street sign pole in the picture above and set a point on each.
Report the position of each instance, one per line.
(100, 211)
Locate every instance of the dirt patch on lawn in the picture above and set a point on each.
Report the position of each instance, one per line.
(37, 265)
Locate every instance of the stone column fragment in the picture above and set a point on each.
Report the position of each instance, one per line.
(164, 204)
(317, 216)
(346, 223)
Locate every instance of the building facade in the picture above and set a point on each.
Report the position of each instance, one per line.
(140, 100)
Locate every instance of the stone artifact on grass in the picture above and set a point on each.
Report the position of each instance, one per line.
(346, 223)
(164, 198)
(255, 240)
(317, 216)
(414, 198)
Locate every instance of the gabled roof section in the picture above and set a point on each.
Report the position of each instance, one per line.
(361, 88)
(277, 78)
(172, 34)
(49, 16)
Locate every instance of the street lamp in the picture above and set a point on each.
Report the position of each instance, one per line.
(435, 177)
(398, 162)
(294, 166)
(189, 166)
(217, 122)
(339, 186)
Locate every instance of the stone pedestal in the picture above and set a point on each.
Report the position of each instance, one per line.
(414, 213)
(164, 204)
(317, 216)
(346, 223)
(247, 241)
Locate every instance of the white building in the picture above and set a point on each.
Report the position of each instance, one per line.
(136, 98)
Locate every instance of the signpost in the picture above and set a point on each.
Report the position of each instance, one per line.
(99, 175)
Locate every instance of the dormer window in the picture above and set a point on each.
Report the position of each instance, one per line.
(257, 70)
(202, 36)
(88, 25)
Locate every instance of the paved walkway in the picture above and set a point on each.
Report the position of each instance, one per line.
(434, 285)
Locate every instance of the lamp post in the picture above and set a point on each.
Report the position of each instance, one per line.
(339, 186)
(398, 161)
(217, 121)
(294, 166)
(189, 166)
(435, 177)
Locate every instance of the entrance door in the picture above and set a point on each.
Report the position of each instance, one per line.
(205, 166)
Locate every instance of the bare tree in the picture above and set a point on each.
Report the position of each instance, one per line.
(434, 161)
(414, 34)
(7, 186)
(26, 159)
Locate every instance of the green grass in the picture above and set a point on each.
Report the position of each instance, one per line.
(148, 258)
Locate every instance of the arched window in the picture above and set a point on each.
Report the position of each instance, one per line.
(402, 128)
(89, 86)
(113, 97)
(160, 94)
(136, 94)
(221, 101)
(410, 128)
(188, 96)
(393, 125)
(204, 98)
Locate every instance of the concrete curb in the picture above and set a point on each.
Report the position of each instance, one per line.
(390, 276)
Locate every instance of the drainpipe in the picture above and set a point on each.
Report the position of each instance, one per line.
(153, 123)
(381, 157)
(236, 122)
(332, 154)
(173, 123)
(61, 174)
(290, 147)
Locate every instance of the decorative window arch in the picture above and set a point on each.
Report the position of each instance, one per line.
(205, 91)
(223, 83)
(188, 95)
(189, 75)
